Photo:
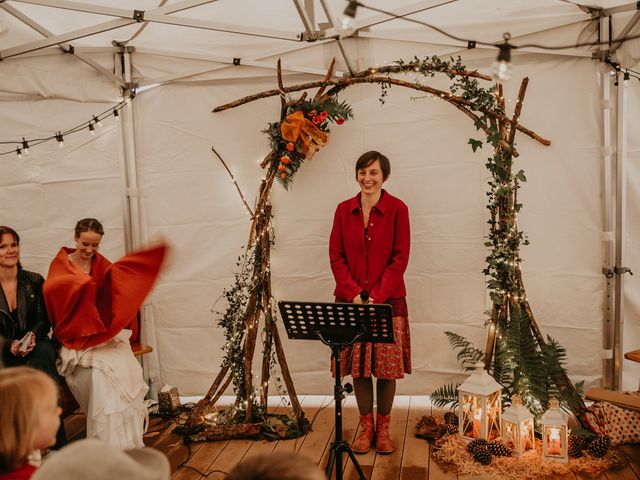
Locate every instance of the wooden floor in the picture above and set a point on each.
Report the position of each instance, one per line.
(412, 460)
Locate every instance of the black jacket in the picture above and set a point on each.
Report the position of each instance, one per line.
(32, 313)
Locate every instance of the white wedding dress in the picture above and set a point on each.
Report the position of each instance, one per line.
(108, 383)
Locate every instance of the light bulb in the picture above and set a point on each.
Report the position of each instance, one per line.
(116, 114)
(19, 152)
(25, 146)
(348, 19)
(92, 129)
(96, 120)
(501, 69)
(626, 78)
(60, 140)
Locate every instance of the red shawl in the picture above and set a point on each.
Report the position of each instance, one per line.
(87, 310)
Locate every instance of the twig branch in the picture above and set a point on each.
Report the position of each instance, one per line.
(233, 179)
(345, 82)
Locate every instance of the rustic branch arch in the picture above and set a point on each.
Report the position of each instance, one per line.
(486, 107)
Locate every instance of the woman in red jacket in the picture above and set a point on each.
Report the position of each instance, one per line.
(369, 252)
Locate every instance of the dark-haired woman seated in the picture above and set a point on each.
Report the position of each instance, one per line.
(23, 317)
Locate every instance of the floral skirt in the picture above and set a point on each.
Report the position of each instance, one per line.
(388, 361)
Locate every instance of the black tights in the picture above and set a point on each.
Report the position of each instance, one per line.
(385, 392)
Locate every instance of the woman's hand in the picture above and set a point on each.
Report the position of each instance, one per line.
(14, 348)
(31, 346)
(357, 299)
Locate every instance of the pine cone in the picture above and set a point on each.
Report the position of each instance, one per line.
(475, 444)
(482, 455)
(449, 429)
(451, 418)
(576, 445)
(499, 449)
(600, 446)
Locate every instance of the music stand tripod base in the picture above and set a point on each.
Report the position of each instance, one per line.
(338, 325)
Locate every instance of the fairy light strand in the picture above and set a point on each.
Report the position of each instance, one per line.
(22, 147)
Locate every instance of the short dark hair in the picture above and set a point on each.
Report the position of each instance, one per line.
(4, 230)
(89, 225)
(368, 158)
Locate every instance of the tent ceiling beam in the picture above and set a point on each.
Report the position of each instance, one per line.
(221, 27)
(82, 7)
(625, 31)
(228, 62)
(332, 22)
(134, 16)
(307, 21)
(66, 47)
(65, 37)
(265, 55)
(629, 7)
(400, 12)
(114, 11)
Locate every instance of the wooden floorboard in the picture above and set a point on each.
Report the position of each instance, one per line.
(412, 459)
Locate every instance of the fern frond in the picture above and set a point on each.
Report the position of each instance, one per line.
(446, 395)
(468, 355)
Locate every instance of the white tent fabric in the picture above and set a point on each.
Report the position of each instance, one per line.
(187, 198)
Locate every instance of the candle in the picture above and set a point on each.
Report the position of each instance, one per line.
(477, 423)
(553, 442)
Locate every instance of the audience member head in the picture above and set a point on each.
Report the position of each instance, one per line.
(280, 466)
(9, 247)
(29, 415)
(96, 460)
(88, 235)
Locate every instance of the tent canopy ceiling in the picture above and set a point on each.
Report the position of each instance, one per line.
(219, 31)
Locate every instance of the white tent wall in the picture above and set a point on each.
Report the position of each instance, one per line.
(188, 197)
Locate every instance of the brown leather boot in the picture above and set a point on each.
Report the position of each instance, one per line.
(362, 443)
(383, 441)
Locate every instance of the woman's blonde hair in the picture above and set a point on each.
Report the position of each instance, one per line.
(23, 395)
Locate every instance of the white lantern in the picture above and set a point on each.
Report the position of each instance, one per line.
(517, 427)
(555, 434)
(479, 400)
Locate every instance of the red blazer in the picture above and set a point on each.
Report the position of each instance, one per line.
(87, 310)
(375, 262)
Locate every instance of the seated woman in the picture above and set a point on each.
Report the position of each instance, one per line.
(23, 315)
(92, 304)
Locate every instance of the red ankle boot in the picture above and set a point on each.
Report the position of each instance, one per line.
(384, 444)
(362, 443)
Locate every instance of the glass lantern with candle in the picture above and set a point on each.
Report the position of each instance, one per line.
(517, 427)
(480, 406)
(555, 434)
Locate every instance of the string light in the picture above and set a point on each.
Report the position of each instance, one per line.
(21, 147)
(348, 19)
(501, 69)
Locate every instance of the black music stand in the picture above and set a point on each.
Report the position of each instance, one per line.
(338, 325)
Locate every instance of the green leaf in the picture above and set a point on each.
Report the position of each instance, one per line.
(475, 144)
(446, 395)
(520, 176)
